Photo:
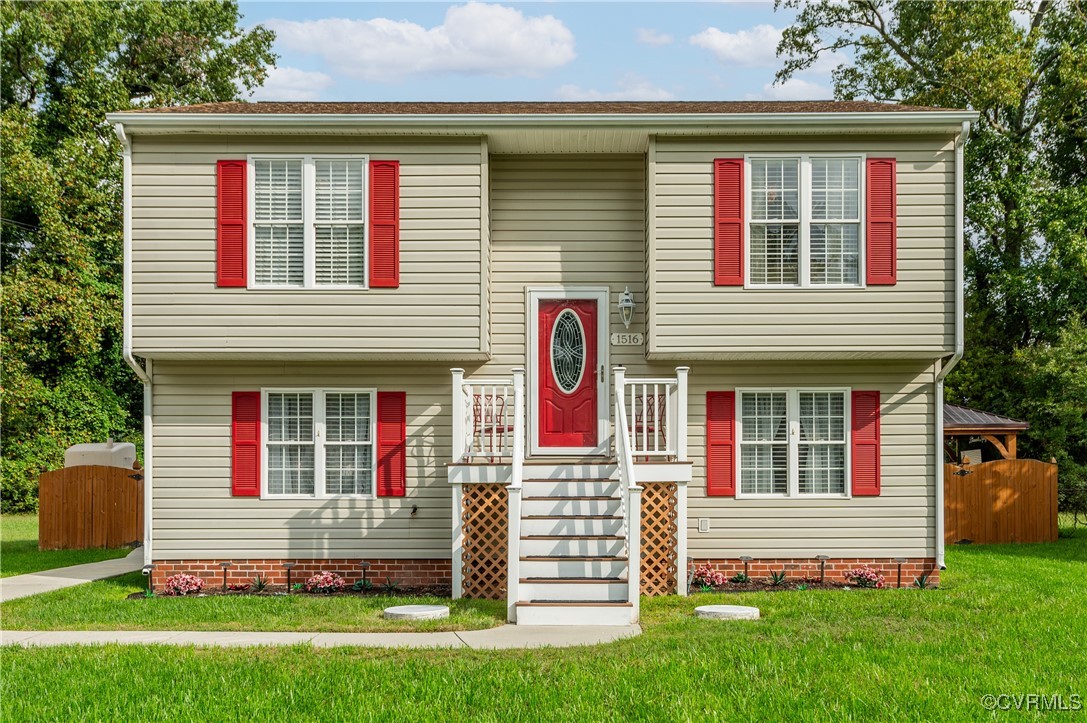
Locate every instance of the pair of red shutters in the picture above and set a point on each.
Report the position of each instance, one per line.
(879, 224)
(721, 443)
(391, 478)
(231, 246)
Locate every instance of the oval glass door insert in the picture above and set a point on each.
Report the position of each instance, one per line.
(568, 351)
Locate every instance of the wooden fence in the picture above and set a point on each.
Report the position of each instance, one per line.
(90, 506)
(1009, 500)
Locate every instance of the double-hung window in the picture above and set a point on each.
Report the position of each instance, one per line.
(308, 226)
(793, 442)
(319, 443)
(805, 221)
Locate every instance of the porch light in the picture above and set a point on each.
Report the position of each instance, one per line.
(626, 307)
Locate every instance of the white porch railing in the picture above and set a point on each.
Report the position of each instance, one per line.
(630, 498)
(655, 414)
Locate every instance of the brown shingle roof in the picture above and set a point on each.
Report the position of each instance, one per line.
(523, 108)
(956, 417)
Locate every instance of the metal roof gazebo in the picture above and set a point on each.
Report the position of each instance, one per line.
(996, 429)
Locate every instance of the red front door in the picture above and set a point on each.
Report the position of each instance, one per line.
(567, 373)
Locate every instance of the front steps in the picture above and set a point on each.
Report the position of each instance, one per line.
(573, 560)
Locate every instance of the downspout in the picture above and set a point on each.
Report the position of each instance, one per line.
(946, 368)
(143, 373)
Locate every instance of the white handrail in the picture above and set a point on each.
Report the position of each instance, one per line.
(630, 495)
(513, 569)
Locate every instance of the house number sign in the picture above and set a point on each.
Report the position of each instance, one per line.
(626, 338)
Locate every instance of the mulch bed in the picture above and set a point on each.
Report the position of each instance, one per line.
(441, 591)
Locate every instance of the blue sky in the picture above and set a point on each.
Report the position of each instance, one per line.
(528, 51)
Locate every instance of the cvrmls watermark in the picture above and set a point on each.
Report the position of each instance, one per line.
(1032, 701)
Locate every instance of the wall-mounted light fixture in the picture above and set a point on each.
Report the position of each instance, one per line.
(626, 307)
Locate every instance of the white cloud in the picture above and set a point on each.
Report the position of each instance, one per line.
(476, 38)
(292, 84)
(629, 87)
(794, 89)
(756, 48)
(646, 36)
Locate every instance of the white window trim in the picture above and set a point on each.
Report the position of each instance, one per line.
(805, 221)
(309, 244)
(318, 442)
(792, 410)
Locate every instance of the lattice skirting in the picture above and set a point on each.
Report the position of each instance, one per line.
(660, 537)
(485, 519)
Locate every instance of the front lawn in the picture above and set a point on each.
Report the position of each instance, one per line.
(19, 552)
(1007, 620)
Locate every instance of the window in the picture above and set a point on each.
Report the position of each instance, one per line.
(793, 442)
(805, 221)
(308, 223)
(319, 443)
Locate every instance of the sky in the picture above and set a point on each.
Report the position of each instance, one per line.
(484, 51)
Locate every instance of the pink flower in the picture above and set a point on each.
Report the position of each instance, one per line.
(325, 582)
(182, 584)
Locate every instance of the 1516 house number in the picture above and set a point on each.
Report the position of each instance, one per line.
(626, 339)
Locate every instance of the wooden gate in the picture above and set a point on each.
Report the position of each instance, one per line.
(1009, 500)
(90, 506)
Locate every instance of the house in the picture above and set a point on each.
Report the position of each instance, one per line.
(403, 333)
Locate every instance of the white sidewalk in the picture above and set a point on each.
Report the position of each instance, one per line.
(19, 586)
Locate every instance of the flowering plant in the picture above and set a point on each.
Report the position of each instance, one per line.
(865, 576)
(237, 586)
(182, 584)
(706, 576)
(325, 582)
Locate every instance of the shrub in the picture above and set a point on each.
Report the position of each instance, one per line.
(706, 577)
(182, 584)
(325, 582)
(740, 578)
(238, 586)
(259, 584)
(363, 585)
(777, 579)
(865, 576)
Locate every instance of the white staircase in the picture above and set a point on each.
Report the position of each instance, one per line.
(573, 562)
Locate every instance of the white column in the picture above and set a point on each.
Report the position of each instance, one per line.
(681, 413)
(459, 439)
(513, 568)
(634, 550)
(458, 540)
(681, 539)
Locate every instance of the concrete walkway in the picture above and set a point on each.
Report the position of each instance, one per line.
(19, 586)
(506, 636)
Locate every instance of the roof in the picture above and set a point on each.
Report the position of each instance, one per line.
(547, 108)
(962, 419)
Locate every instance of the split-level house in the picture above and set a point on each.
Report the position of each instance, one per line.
(555, 353)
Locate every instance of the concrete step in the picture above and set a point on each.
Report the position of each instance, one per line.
(571, 488)
(570, 525)
(583, 589)
(569, 506)
(575, 613)
(602, 567)
(595, 546)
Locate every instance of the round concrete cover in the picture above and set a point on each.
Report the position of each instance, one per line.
(417, 612)
(727, 612)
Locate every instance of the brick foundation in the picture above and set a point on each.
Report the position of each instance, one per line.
(405, 572)
(835, 568)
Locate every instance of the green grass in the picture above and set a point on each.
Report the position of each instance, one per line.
(102, 606)
(19, 553)
(1007, 620)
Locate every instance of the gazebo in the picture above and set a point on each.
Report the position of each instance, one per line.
(998, 430)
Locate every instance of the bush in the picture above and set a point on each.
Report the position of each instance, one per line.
(325, 582)
(182, 584)
(865, 576)
(706, 576)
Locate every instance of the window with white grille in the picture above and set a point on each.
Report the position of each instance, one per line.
(308, 222)
(805, 221)
(793, 442)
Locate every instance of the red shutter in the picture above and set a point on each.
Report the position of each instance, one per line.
(230, 229)
(392, 432)
(728, 222)
(721, 444)
(385, 224)
(881, 225)
(245, 443)
(865, 440)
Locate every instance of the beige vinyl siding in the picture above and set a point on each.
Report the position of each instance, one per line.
(899, 522)
(178, 309)
(195, 515)
(692, 319)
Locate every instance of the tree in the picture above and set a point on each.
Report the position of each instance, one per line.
(65, 65)
(1023, 67)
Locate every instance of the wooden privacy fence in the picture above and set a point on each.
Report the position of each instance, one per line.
(1009, 500)
(89, 506)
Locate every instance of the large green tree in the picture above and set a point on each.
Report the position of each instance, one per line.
(65, 65)
(1023, 67)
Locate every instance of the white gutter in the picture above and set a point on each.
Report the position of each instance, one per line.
(946, 368)
(141, 372)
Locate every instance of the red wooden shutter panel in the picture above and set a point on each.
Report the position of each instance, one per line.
(728, 222)
(385, 224)
(881, 225)
(721, 444)
(245, 444)
(392, 433)
(230, 228)
(865, 441)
